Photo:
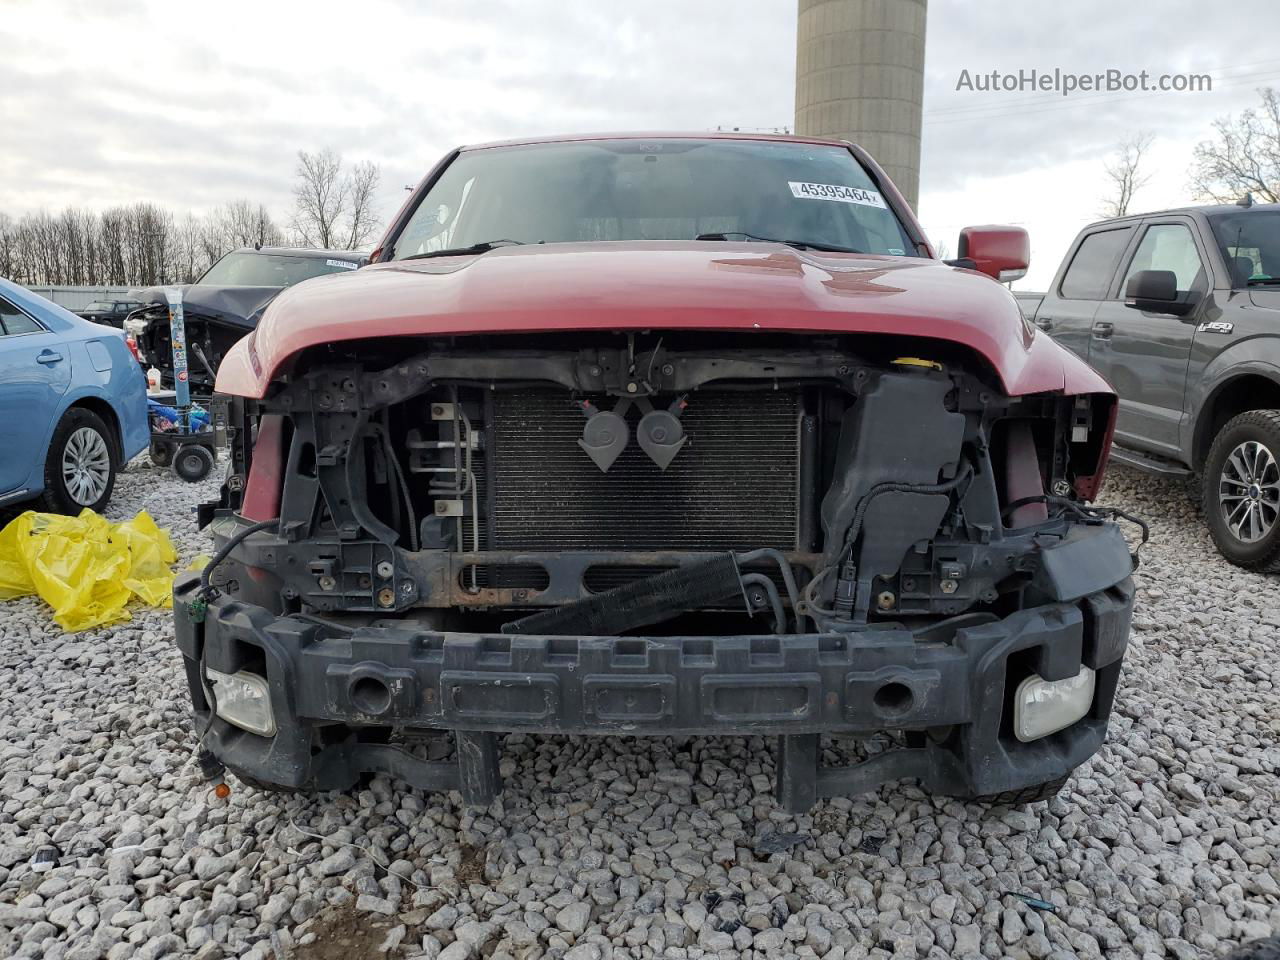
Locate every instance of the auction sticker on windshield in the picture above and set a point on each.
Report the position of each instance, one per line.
(833, 191)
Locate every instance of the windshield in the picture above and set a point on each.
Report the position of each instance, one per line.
(655, 190)
(100, 305)
(269, 270)
(1250, 245)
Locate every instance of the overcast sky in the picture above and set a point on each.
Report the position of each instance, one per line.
(191, 105)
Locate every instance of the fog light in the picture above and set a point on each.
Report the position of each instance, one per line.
(243, 700)
(1042, 707)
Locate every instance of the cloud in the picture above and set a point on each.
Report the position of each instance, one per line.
(1037, 158)
(143, 102)
(124, 100)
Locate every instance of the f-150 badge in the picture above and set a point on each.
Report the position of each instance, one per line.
(1215, 326)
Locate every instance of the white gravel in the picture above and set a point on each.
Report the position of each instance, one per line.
(1165, 845)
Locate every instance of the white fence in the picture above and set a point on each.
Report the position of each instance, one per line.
(77, 298)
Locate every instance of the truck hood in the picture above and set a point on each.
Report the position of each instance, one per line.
(658, 285)
(233, 306)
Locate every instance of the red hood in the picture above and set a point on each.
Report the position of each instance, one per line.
(657, 285)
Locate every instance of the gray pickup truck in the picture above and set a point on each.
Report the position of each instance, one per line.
(1180, 311)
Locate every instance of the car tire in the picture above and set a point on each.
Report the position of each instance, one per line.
(80, 468)
(161, 454)
(1242, 490)
(192, 462)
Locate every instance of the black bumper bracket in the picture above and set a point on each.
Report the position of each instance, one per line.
(478, 779)
(796, 787)
(336, 697)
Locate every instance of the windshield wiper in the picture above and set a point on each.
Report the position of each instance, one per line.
(794, 244)
(484, 247)
(1261, 281)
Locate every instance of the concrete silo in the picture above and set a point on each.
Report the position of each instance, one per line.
(860, 77)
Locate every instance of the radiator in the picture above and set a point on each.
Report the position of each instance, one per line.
(734, 486)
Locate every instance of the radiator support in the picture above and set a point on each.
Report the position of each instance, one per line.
(734, 486)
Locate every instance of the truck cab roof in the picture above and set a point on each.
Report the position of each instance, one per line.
(1206, 210)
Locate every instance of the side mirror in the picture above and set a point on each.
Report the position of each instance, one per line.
(1156, 291)
(1003, 253)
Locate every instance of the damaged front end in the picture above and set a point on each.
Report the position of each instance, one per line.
(216, 318)
(660, 534)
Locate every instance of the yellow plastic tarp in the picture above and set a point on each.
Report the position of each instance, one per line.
(85, 567)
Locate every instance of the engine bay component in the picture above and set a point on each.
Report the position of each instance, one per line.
(604, 437)
(660, 433)
(543, 494)
(815, 540)
(888, 495)
(640, 602)
(662, 596)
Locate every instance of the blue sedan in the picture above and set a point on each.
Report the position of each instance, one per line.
(73, 405)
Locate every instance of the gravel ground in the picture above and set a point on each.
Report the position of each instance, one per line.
(1167, 844)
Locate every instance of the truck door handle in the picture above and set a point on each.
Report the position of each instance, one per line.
(1102, 330)
(48, 356)
(1044, 323)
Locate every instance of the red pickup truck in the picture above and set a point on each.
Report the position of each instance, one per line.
(660, 434)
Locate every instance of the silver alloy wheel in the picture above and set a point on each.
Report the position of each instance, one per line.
(1249, 491)
(86, 466)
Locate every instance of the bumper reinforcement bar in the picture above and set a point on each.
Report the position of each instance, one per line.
(334, 695)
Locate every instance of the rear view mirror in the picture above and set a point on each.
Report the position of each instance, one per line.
(1156, 291)
(1003, 253)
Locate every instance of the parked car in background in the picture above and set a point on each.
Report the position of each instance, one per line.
(73, 405)
(661, 435)
(1180, 311)
(110, 312)
(225, 304)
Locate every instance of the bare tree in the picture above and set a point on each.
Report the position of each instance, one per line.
(138, 245)
(111, 241)
(213, 241)
(333, 208)
(319, 197)
(77, 244)
(145, 245)
(1124, 171)
(150, 243)
(362, 220)
(46, 262)
(244, 225)
(9, 257)
(189, 259)
(1242, 157)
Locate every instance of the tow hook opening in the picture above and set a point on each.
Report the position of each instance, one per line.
(893, 699)
(370, 695)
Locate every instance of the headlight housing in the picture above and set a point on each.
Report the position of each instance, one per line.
(243, 700)
(1042, 707)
